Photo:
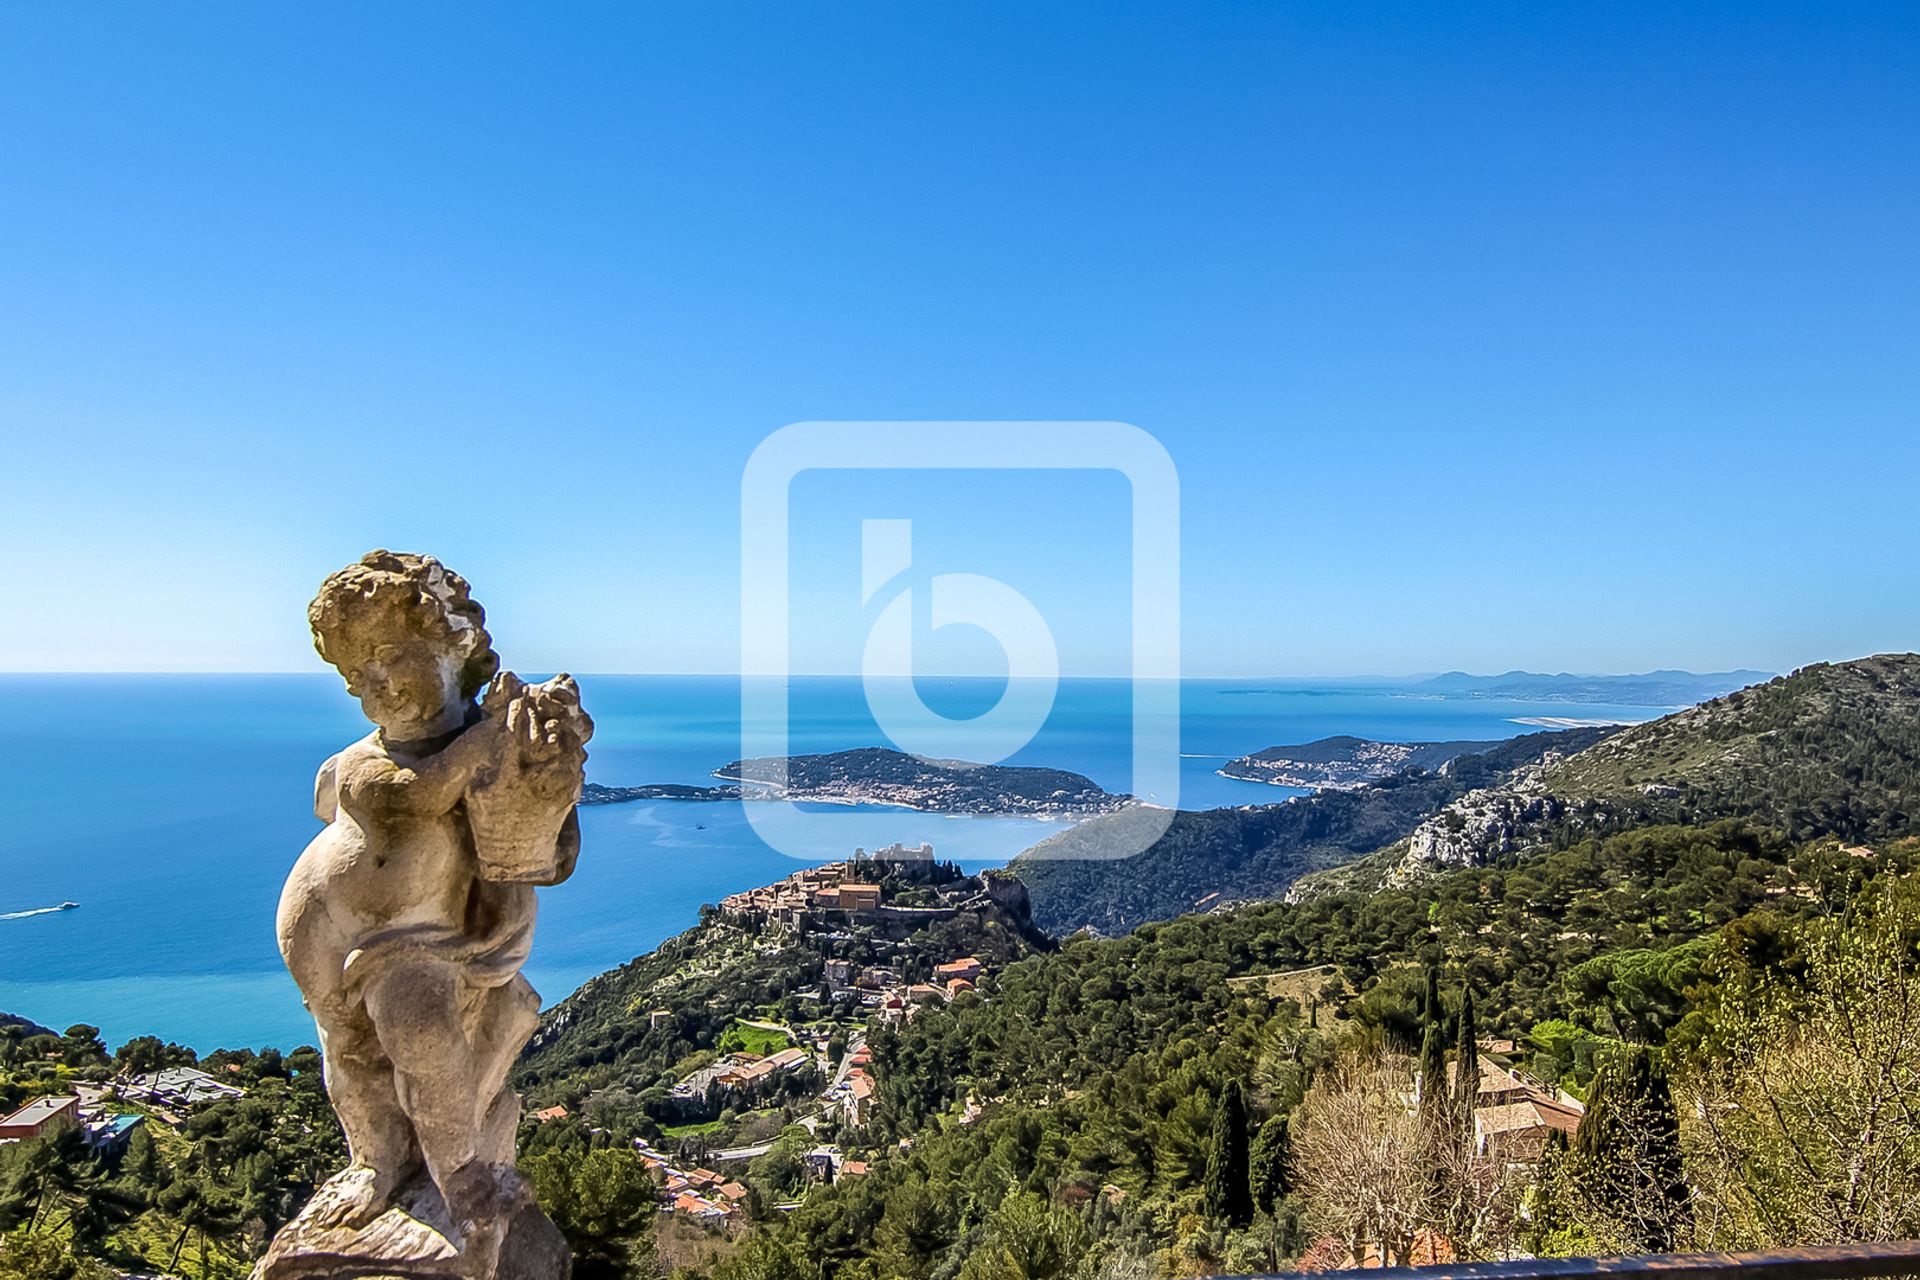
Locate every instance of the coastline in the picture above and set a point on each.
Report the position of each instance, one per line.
(127, 843)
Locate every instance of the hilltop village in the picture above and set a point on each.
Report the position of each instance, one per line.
(830, 903)
(745, 1064)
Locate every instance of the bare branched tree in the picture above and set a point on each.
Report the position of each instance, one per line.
(1359, 1155)
(1375, 1167)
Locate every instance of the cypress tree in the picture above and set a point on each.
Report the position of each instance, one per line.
(1625, 1156)
(1229, 1196)
(1433, 1069)
(1550, 1221)
(1466, 1071)
(1267, 1165)
(1433, 1045)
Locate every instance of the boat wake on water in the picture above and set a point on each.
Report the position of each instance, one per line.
(38, 911)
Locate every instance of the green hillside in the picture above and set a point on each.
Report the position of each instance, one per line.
(1587, 925)
(1833, 749)
(1099, 1075)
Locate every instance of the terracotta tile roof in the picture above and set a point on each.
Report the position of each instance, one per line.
(1429, 1249)
(1327, 1254)
(1533, 1113)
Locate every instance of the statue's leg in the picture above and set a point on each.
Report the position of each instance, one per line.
(416, 1011)
(359, 1077)
(420, 1010)
(504, 1018)
(360, 1085)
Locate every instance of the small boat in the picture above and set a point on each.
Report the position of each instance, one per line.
(68, 906)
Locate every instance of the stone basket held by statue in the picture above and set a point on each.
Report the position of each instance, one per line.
(519, 808)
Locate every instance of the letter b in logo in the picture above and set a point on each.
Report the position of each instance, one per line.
(955, 599)
(900, 605)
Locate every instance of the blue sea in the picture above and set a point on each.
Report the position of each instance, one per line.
(171, 807)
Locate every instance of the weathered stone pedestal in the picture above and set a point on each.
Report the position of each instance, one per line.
(416, 1239)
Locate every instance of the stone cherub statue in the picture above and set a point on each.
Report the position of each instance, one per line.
(406, 922)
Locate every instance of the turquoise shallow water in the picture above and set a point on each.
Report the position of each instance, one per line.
(170, 808)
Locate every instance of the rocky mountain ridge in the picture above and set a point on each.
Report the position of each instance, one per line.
(1212, 858)
(1830, 750)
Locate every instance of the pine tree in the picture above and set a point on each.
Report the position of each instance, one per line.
(1267, 1165)
(602, 1203)
(1229, 1196)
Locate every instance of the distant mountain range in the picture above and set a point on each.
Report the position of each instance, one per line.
(1653, 689)
(1228, 855)
(1831, 750)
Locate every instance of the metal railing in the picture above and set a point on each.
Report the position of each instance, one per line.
(1819, 1262)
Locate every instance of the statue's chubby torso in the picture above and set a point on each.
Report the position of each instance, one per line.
(379, 863)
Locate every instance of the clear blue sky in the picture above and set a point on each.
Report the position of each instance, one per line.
(1577, 338)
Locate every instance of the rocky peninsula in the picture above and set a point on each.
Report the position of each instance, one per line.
(877, 775)
(1343, 762)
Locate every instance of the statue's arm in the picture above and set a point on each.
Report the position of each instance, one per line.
(433, 785)
(326, 790)
(567, 850)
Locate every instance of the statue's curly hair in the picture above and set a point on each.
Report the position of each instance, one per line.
(430, 598)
